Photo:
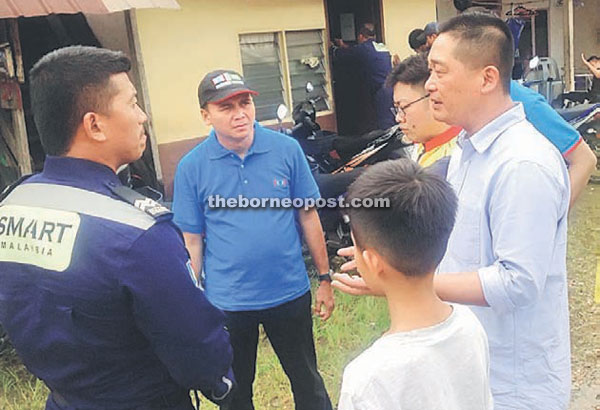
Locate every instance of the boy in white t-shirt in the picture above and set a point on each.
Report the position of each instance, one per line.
(435, 355)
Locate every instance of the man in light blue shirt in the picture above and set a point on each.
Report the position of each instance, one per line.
(506, 256)
(507, 252)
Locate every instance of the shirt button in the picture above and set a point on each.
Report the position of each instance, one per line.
(242, 166)
(245, 181)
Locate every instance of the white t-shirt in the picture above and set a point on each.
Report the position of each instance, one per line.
(445, 366)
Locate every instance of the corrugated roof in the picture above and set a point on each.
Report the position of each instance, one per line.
(30, 8)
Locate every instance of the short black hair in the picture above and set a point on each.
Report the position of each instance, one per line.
(413, 39)
(592, 58)
(66, 84)
(484, 40)
(413, 70)
(412, 234)
(367, 30)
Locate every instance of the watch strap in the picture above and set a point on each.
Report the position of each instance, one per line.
(325, 276)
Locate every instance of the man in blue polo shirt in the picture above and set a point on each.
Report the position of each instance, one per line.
(251, 258)
(579, 156)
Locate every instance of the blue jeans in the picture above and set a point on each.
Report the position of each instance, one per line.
(289, 329)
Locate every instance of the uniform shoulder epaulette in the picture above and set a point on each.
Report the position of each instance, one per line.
(12, 186)
(143, 203)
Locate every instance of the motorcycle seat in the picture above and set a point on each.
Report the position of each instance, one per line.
(571, 113)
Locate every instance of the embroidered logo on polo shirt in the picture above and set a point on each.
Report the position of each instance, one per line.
(281, 183)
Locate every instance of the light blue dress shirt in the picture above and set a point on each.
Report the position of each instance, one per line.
(511, 228)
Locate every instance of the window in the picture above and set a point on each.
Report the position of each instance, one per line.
(284, 81)
(261, 65)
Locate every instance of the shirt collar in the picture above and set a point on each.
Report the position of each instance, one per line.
(485, 137)
(216, 150)
(68, 169)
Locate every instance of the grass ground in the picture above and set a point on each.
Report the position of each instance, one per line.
(357, 322)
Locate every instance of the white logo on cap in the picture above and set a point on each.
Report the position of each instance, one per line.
(226, 79)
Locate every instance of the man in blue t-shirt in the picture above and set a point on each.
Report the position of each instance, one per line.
(578, 155)
(251, 256)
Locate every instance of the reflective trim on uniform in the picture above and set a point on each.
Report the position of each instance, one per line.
(229, 385)
(67, 198)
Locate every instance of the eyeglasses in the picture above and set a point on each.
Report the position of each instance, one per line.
(402, 110)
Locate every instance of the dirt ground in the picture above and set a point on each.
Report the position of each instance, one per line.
(584, 299)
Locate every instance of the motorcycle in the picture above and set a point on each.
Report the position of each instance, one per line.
(575, 107)
(585, 118)
(336, 161)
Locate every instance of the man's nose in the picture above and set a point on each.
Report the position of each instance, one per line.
(430, 84)
(143, 115)
(238, 111)
(400, 117)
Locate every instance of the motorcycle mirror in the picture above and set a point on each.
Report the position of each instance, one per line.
(309, 87)
(282, 112)
(533, 63)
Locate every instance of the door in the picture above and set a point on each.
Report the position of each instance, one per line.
(354, 111)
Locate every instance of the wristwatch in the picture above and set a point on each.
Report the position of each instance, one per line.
(326, 276)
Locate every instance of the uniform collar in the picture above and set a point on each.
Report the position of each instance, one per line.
(259, 144)
(486, 136)
(70, 169)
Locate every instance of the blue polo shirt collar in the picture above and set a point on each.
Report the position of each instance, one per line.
(485, 137)
(217, 151)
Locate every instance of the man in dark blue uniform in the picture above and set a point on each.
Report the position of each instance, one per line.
(375, 62)
(96, 288)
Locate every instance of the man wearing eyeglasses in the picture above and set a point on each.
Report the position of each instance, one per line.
(435, 140)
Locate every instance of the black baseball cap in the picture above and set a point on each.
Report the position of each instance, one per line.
(430, 28)
(219, 85)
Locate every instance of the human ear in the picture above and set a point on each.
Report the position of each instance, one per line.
(93, 127)
(373, 262)
(490, 79)
(205, 116)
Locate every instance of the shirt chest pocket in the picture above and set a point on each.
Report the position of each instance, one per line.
(465, 240)
(281, 191)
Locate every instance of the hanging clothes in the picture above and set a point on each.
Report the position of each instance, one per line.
(516, 25)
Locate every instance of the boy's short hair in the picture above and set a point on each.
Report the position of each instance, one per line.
(413, 70)
(412, 234)
(593, 58)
